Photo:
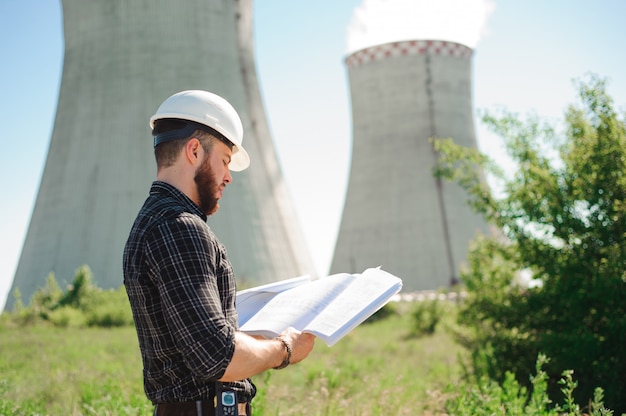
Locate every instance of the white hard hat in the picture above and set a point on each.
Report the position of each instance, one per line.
(210, 110)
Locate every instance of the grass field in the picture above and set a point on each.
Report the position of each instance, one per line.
(378, 369)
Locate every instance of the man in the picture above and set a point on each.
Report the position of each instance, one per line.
(179, 280)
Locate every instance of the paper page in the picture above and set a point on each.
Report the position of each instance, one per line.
(249, 301)
(365, 294)
(276, 287)
(296, 307)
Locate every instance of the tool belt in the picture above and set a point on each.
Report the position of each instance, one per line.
(197, 408)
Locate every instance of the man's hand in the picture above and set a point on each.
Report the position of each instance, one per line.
(301, 343)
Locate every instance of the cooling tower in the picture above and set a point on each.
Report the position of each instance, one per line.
(396, 214)
(122, 59)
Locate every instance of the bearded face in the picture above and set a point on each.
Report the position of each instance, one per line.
(207, 188)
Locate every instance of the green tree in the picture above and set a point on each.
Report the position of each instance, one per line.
(561, 220)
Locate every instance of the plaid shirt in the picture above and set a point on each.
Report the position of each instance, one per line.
(182, 292)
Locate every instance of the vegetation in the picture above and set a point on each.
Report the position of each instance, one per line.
(46, 370)
(489, 398)
(397, 363)
(82, 304)
(562, 219)
(49, 370)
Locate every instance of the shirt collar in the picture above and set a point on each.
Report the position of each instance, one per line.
(167, 190)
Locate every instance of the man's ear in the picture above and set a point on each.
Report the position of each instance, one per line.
(193, 151)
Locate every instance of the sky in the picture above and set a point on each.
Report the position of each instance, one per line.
(526, 56)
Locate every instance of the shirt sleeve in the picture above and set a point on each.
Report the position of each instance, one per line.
(185, 256)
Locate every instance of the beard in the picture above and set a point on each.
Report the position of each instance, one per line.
(207, 188)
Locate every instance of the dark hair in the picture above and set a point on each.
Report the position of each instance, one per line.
(167, 152)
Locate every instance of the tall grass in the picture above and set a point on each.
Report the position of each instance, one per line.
(399, 365)
(68, 371)
(377, 369)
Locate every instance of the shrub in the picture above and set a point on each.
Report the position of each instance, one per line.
(110, 309)
(82, 304)
(426, 316)
(562, 218)
(67, 317)
(510, 398)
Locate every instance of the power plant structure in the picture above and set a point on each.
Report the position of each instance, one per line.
(122, 59)
(397, 214)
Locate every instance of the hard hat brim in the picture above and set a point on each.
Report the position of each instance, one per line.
(239, 160)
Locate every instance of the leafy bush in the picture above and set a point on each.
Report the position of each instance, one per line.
(82, 304)
(110, 309)
(562, 219)
(426, 316)
(81, 293)
(67, 317)
(489, 398)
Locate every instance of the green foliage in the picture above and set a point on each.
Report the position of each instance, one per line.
(48, 297)
(510, 398)
(67, 317)
(561, 215)
(82, 304)
(109, 308)
(378, 369)
(435, 311)
(426, 315)
(80, 293)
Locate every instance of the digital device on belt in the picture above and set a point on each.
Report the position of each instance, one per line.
(226, 401)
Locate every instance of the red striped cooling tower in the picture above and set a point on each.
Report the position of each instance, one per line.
(396, 214)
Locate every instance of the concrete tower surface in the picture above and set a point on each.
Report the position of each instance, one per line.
(122, 59)
(396, 214)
